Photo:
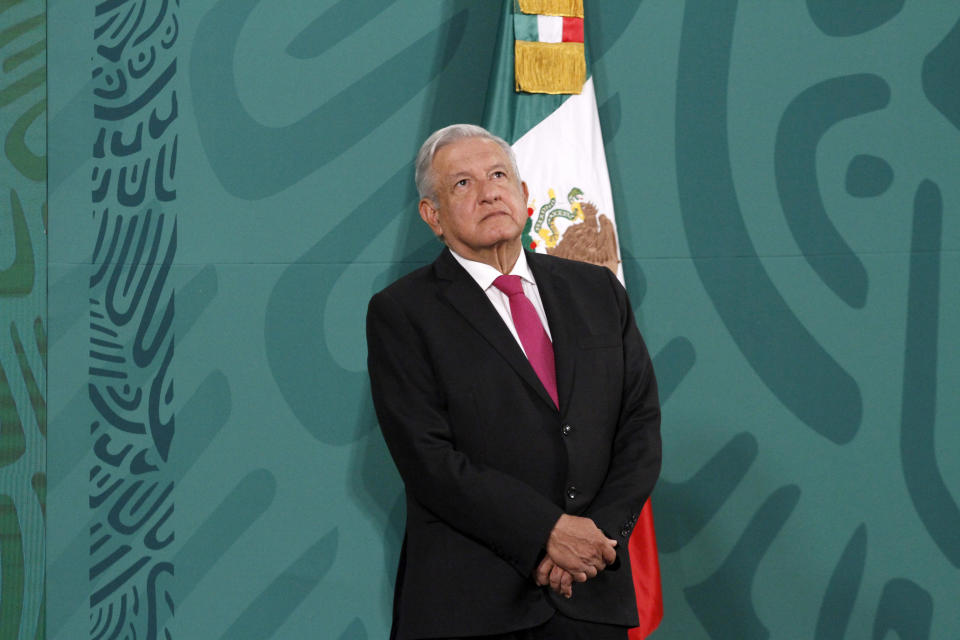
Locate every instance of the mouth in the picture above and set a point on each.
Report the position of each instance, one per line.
(494, 214)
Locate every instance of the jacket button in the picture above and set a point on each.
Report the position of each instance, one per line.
(566, 429)
(624, 532)
(572, 492)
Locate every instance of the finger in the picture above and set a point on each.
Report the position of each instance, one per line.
(591, 572)
(578, 576)
(543, 571)
(561, 582)
(596, 562)
(609, 555)
(566, 584)
(556, 574)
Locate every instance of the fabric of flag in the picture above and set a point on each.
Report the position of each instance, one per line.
(560, 155)
(548, 47)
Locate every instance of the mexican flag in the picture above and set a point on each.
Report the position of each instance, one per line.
(541, 100)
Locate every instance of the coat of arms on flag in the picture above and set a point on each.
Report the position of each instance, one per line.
(578, 233)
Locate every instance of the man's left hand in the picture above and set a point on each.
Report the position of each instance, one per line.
(578, 546)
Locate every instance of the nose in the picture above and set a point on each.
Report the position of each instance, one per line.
(489, 191)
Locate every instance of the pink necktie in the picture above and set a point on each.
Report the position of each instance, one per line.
(536, 343)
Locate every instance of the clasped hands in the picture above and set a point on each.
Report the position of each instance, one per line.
(576, 551)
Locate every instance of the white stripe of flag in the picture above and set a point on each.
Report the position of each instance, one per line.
(550, 28)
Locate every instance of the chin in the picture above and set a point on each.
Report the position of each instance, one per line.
(504, 238)
(507, 229)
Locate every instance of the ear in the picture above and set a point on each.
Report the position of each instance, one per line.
(431, 215)
(526, 193)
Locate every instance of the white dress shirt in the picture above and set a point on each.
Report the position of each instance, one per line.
(484, 275)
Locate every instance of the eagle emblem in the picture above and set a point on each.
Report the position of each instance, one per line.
(588, 235)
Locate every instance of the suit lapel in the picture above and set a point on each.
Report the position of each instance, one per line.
(557, 304)
(462, 292)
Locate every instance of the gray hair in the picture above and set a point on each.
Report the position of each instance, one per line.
(440, 138)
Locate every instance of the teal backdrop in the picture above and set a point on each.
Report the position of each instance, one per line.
(23, 321)
(229, 181)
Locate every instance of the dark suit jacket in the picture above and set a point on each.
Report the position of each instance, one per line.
(488, 461)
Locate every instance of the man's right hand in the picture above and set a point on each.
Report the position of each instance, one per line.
(577, 545)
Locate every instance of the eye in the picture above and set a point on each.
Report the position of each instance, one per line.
(462, 182)
(499, 174)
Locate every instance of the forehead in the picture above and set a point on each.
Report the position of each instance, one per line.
(469, 154)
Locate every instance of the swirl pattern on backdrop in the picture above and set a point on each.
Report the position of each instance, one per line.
(131, 318)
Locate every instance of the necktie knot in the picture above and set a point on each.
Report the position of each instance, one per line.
(510, 285)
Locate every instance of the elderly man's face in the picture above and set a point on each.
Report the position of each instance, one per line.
(480, 203)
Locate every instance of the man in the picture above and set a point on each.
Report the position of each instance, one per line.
(519, 404)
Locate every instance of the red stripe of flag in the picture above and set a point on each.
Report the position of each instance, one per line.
(645, 566)
(572, 30)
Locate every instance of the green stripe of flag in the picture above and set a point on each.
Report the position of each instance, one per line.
(525, 27)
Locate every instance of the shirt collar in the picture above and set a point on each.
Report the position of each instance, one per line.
(484, 274)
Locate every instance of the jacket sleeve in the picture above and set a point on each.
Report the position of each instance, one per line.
(635, 461)
(499, 511)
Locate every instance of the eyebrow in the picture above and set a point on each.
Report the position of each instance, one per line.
(456, 177)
